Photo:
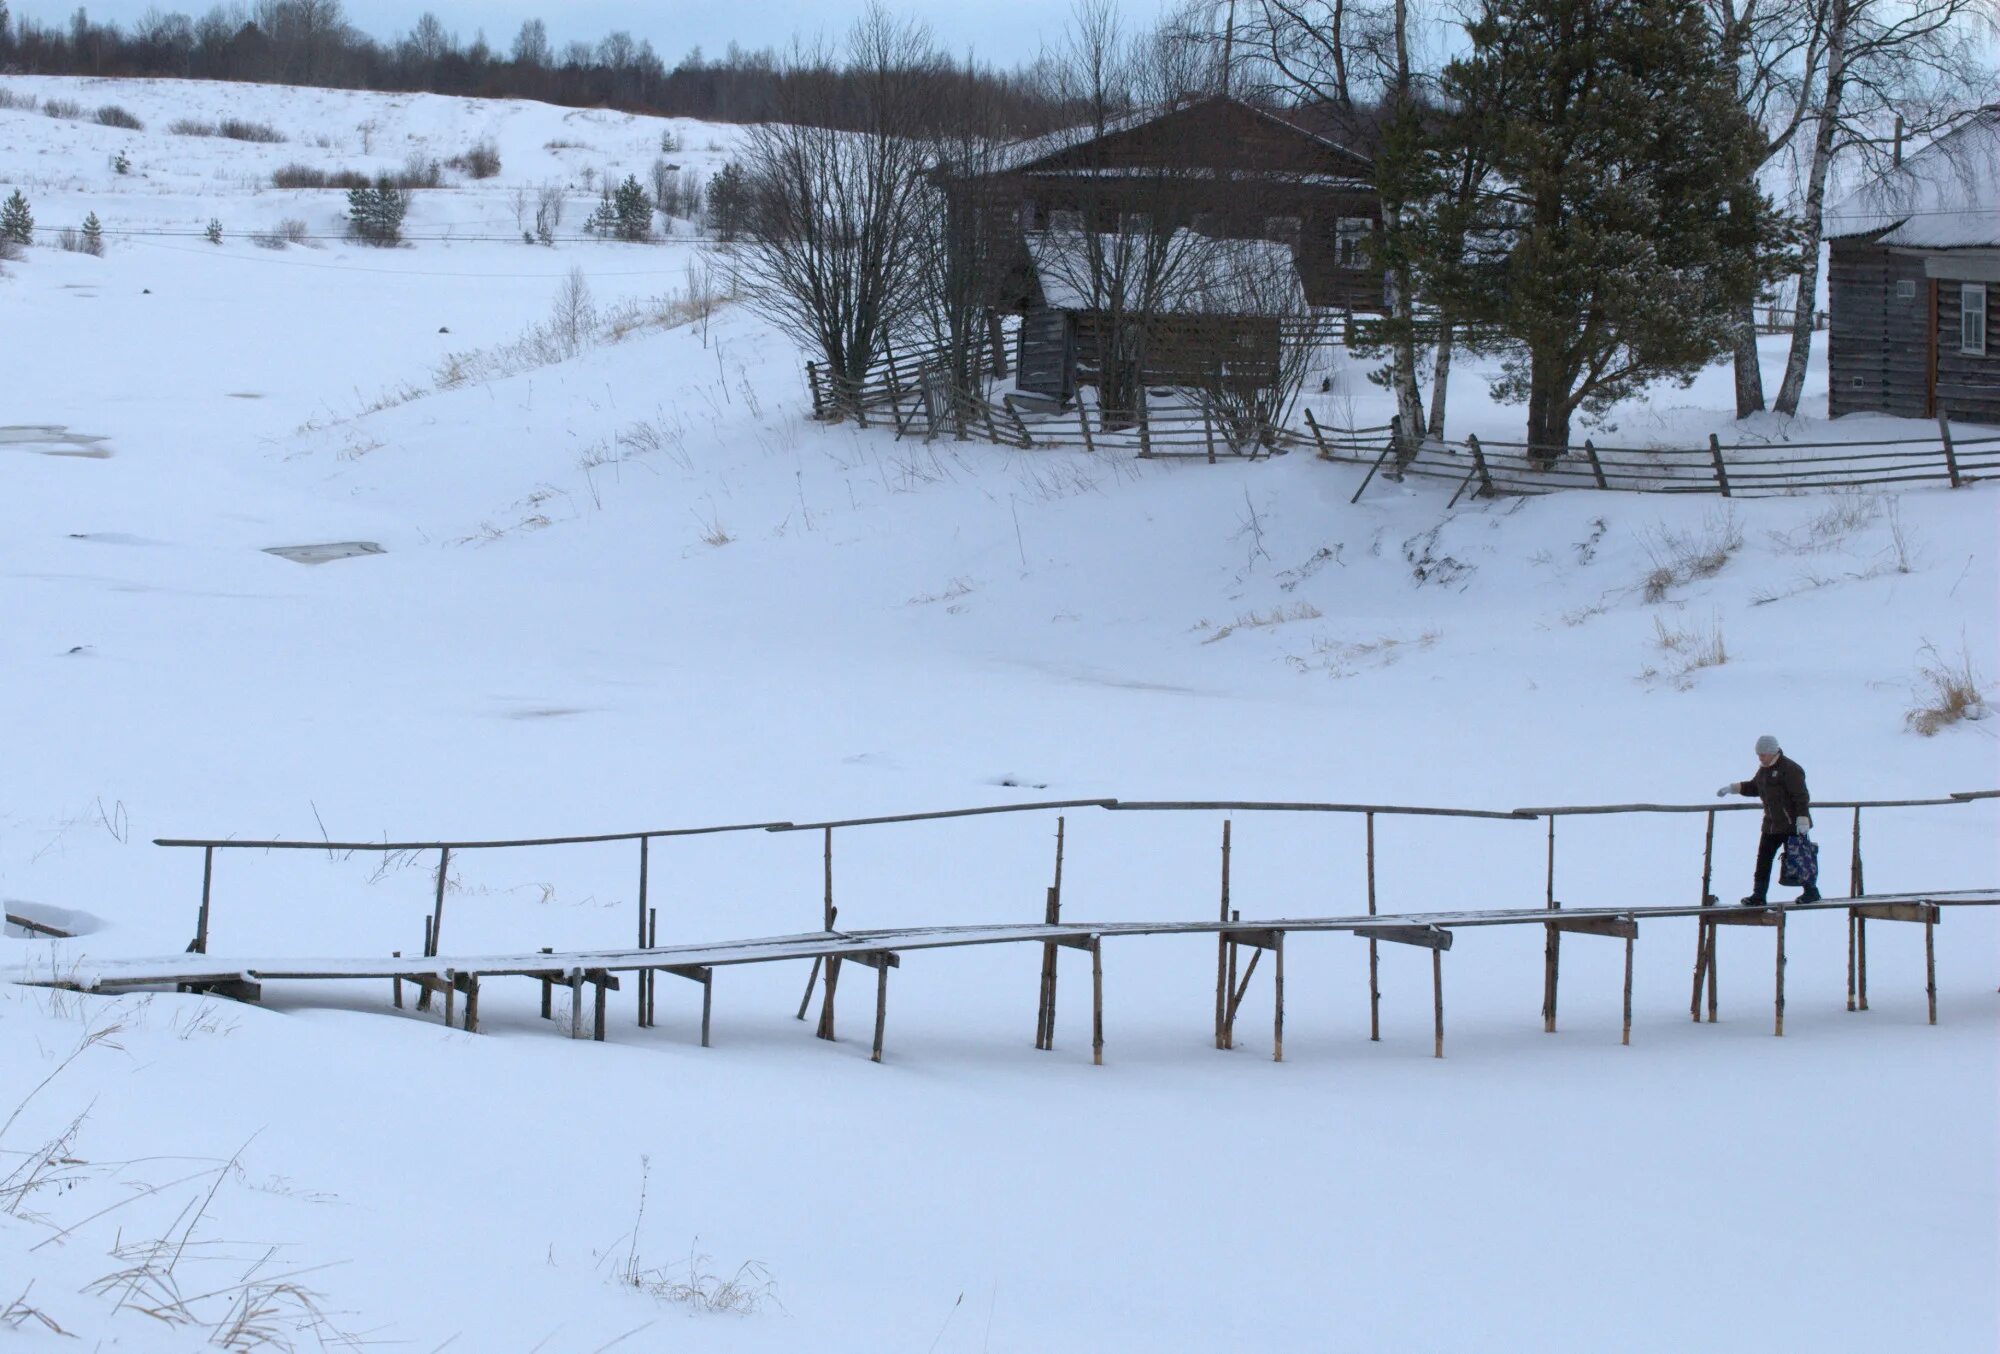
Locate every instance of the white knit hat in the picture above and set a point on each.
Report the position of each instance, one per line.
(1767, 746)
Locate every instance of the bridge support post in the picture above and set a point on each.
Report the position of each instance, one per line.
(825, 1030)
(1045, 1016)
(1625, 928)
(1096, 1001)
(1258, 940)
(1374, 953)
(1433, 938)
(1225, 954)
(1552, 953)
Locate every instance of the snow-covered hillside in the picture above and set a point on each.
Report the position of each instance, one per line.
(636, 588)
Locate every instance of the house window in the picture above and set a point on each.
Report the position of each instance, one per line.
(1972, 318)
(1349, 234)
(1906, 289)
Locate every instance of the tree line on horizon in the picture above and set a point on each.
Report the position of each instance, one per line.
(311, 43)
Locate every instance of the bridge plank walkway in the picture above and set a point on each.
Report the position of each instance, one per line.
(453, 975)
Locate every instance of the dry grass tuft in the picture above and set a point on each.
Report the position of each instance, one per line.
(1261, 620)
(1682, 557)
(1947, 692)
(1687, 650)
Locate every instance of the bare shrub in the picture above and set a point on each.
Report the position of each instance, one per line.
(696, 1286)
(574, 318)
(1946, 692)
(1831, 527)
(1682, 557)
(1686, 650)
(481, 162)
(62, 108)
(236, 129)
(111, 115)
(191, 127)
(70, 241)
(420, 171)
(296, 175)
(549, 199)
(23, 102)
(294, 230)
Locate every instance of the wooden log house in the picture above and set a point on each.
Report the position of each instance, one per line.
(1217, 167)
(1915, 268)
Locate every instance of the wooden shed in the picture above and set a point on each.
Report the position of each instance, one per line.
(1915, 265)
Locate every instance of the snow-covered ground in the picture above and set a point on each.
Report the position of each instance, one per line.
(636, 589)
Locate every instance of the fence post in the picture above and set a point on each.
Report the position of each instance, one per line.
(1083, 422)
(1596, 466)
(1313, 424)
(1371, 475)
(812, 380)
(1950, 453)
(1396, 445)
(1208, 434)
(1721, 475)
(1479, 464)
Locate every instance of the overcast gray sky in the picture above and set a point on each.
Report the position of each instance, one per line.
(1002, 32)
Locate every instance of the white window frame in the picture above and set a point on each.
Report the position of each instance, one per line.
(1972, 298)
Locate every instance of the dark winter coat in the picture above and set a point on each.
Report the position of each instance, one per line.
(1782, 787)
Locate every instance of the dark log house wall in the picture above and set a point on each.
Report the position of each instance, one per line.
(1878, 339)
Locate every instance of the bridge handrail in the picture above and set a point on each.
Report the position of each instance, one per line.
(1118, 805)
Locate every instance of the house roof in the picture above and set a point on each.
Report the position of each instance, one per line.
(1030, 155)
(1203, 275)
(1945, 196)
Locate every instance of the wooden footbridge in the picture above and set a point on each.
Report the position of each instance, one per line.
(457, 979)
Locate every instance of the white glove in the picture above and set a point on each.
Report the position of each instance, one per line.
(1727, 790)
(1805, 823)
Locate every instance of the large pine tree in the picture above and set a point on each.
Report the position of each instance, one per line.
(1620, 227)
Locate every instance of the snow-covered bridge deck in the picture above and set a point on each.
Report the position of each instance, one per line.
(449, 975)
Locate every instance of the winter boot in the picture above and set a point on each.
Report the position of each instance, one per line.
(1752, 901)
(1811, 895)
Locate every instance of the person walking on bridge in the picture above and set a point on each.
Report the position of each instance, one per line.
(1781, 783)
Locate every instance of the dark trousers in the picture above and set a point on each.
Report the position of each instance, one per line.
(1768, 847)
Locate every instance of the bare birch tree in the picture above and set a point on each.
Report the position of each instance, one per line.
(829, 248)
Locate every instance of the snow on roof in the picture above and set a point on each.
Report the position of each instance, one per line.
(1945, 196)
(1022, 153)
(1199, 275)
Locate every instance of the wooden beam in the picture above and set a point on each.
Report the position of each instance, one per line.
(874, 958)
(1927, 913)
(243, 989)
(1083, 942)
(1262, 938)
(1430, 937)
(1619, 928)
(1779, 1011)
(1743, 916)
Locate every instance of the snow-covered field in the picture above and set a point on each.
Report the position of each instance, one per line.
(636, 589)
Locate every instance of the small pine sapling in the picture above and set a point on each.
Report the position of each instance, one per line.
(122, 163)
(214, 231)
(17, 223)
(632, 211)
(93, 236)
